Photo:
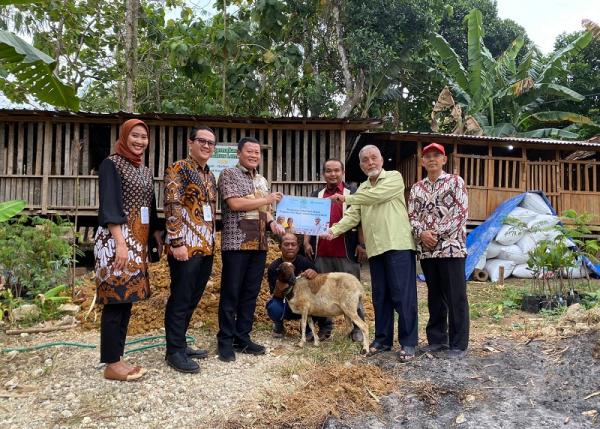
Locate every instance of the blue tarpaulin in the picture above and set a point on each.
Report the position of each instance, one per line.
(479, 239)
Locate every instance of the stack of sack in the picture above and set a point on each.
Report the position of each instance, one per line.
(511, 246)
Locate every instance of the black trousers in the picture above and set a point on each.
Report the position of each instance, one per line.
(447, 302)
(394, 287)
(188, 280)
(113, 331)
(240, 285)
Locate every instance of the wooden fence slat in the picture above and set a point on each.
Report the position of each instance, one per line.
(287, 174)
(75, 152)
(67, 151)
(305, 156)
(85, 150)
(279, 153)
(297, 158)
(152, 149)
(179, 143)
(11, 145)
(20, 147)
(171, 146)
(322, 149)
(2, 151)
(39, 162)
(313, 150)
(269, 175)
(57, 164)
(161, 151)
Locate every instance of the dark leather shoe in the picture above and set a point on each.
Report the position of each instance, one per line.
(226, 355)
(432, 348)
(456, 354)
(278, 330)
(250, 348)
(196, 353)
(182, 363)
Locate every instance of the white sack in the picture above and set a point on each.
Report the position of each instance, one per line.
(492, 267)
(509, 234)
(522, 271)
(524, 215)
(493, 250)
(579, 272)
(527, 243)
(536, 203)
(543, 221)
(481, 263)
(513, 253)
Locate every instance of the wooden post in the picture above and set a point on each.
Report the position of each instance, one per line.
(305, 156)
(419, 168)
(269, 173)
(47, 164)
(2, 151)
(343, 146)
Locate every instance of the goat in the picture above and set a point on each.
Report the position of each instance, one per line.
(327, 295)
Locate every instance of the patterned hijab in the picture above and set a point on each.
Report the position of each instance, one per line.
(121, 147)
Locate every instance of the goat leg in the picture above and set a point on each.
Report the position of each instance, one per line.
(311, 325)
(303, 328)
(362, 325)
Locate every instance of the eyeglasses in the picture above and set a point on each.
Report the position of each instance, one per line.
(204, 142)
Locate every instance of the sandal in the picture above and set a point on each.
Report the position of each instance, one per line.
(406, 353)
(134, 374)
(376, 348)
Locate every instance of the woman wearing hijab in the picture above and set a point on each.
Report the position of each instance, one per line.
(127, 216)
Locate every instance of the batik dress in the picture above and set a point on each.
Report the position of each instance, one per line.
(126, 199)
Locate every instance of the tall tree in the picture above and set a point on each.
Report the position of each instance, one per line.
(131, 29)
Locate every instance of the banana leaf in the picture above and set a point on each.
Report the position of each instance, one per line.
(545, 133)
(553, 117)
(9, 209)
(451, 60)
(34, 70)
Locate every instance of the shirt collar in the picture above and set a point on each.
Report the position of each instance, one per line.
(442, 177)
(381, 176)
(195, 164)
(339, 188)
(252, 172)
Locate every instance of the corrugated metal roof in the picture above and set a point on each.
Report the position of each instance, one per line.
(522, 140)
(367, 123)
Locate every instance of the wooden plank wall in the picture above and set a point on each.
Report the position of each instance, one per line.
(57, 157)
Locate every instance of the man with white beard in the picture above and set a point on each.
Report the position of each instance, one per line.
(379, 206)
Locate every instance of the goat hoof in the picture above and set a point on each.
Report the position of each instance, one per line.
(300, 344)
(364, 351)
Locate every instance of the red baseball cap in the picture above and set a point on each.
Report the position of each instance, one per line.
(434, 146)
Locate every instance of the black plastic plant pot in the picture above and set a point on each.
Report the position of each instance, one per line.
(536, 303)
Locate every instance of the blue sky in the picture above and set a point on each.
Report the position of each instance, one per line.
(545, 19)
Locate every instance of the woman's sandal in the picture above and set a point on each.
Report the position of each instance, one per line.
(376, 348)
(406, 354)
(136, 373)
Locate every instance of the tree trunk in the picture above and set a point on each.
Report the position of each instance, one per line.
(354, 89)
(131, 17)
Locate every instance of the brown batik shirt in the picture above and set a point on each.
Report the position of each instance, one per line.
(243, 230)
(190, 191)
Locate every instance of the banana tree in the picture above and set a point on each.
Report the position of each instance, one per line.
(489, 88)
(32, 70)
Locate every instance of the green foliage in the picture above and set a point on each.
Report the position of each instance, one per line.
(34, 72)
(505, 96)
(8, 209)
(34, 255)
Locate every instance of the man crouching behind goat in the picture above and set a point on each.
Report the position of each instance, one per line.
(327, 295)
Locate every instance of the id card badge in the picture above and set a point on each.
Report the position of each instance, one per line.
(145, 214)
(207, 212)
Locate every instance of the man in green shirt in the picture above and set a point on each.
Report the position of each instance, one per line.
(379, 206)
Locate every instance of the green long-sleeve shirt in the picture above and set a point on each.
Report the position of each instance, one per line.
(381, 210)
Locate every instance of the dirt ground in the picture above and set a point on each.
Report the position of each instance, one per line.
(522, 370)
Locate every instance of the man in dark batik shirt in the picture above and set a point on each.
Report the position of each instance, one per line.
(246, 215)
(190, 197)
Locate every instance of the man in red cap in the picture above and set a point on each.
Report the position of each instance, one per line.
(437, 209)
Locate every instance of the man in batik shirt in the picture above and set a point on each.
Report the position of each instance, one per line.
(437, 209)
(190, 197)
(246, 215)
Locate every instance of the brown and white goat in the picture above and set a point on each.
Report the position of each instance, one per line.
(327, 295)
